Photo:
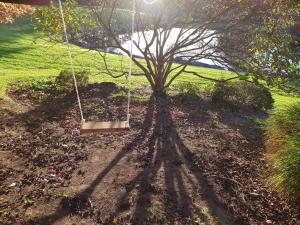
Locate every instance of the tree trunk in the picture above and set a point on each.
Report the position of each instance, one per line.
(159, 89)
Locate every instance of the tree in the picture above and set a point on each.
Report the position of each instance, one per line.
(273, 52)
(232, 33)
(8, 11)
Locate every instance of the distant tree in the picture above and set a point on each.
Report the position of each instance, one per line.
(8, 11)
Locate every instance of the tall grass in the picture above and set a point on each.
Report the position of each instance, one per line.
(283, 133)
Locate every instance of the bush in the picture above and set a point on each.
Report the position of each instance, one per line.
(33, 85)
(65, 79)
(283, 143)
(243, 93)
(187, 88)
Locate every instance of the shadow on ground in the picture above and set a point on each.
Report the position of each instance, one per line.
(166, 156)
(185, 161)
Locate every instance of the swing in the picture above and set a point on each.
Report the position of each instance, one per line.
(96, 126)
(90, 126)
(111, 126)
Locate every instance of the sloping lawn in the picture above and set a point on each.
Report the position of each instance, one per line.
(27, 54)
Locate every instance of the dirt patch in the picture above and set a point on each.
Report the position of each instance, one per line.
(182, 162)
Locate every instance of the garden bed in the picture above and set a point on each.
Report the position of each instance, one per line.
(184, 161)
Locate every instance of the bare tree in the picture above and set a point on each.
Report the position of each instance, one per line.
(188, 29)
(223, 31)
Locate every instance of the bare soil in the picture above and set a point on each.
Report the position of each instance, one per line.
(184, 161)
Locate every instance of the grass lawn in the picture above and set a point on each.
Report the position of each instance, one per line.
(27, 54)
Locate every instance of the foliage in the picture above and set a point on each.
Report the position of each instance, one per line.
(28, 202)
(283, 143)
(65, 79)
(269, 52)
(187, 90)
(66, 195)
(275, 53)
(49, 20)
(8, 12)
(33, 85)
(243, 93)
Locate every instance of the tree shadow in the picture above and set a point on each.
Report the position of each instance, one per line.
(7, 52)
(168, 156)
(61, 211)
(238, 158)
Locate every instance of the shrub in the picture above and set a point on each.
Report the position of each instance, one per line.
(187, 89)
(34, 89)
(65, 79)
(243, 93)
(283, 143)
(33, 85)
(42, 85)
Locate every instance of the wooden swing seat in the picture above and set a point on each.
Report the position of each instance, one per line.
(102, 127)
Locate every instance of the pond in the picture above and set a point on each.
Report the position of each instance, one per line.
(206, 46)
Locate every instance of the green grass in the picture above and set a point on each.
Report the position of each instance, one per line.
(283, 132)
(27, 54)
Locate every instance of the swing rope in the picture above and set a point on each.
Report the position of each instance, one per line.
(71, 61)
(130, 61)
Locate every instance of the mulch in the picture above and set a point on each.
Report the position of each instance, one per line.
(189, 161)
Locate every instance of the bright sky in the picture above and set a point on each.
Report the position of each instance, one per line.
(150, 1)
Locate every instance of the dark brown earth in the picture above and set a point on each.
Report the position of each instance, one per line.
(184, 161)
